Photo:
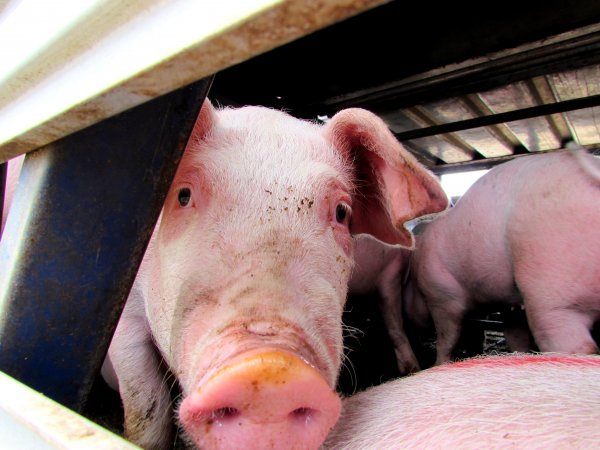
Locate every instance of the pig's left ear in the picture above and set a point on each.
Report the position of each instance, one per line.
(392, 186)
(204, 122)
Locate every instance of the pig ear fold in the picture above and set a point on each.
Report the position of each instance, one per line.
(392, 187)
(204, 122)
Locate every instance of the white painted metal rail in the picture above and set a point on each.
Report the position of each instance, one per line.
(67, 64)
(28, 420)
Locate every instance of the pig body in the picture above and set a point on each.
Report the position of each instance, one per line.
(527, 401)
(241, 290)
(528, 232)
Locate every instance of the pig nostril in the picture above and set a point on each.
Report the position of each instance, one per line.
(225, 413)
(303, 414)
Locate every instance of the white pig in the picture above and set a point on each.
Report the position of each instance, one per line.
(241, 291)
(526, 232)
(502, 402)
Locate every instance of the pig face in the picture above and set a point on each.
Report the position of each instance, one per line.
(245, 279)
(248, 253)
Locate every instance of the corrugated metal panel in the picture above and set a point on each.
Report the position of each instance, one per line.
(534, 134)
(541, 133)
(480, 139)
(446, 148)
(584, 123)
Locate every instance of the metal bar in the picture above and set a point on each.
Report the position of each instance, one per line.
(479, 164)
(495, 119)
(54, 79)
(566, 51)
(488, 163)
(28, 420)
(82, 216)
(485, 324)
(485, 163)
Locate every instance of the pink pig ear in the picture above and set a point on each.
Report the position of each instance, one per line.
(392, 186)
(204, 122)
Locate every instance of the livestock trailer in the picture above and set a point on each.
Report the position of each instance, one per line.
(102, 97)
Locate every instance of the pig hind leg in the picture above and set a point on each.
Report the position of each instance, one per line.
(447, 309)
(557, 318)
(558, 301)
(562, 329)
(391, 308)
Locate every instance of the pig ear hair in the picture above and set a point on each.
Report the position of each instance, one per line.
(392, 186)
(204, 122)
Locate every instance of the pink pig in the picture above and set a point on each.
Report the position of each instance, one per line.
(241, 291)
(527, 401)
(527, 232)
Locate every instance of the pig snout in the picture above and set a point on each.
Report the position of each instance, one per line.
(266, 399)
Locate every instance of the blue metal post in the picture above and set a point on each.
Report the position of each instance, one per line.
(82, 216)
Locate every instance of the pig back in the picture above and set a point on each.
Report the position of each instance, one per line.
(526, 401)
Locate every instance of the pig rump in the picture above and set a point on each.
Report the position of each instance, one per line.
(527, 232)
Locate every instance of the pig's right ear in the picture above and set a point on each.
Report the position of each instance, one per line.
(392, 186)
(205, 121)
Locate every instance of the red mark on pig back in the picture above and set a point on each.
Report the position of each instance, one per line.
(522, 360)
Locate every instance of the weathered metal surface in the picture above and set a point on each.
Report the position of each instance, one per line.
(535, 114)
(28, 420)
(81, 218)
(575, 48)
(152, 47)
(549, 109)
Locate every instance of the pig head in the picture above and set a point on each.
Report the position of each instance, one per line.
(240, 295)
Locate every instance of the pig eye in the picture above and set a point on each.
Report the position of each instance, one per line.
(184, 196)
(342, 213)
